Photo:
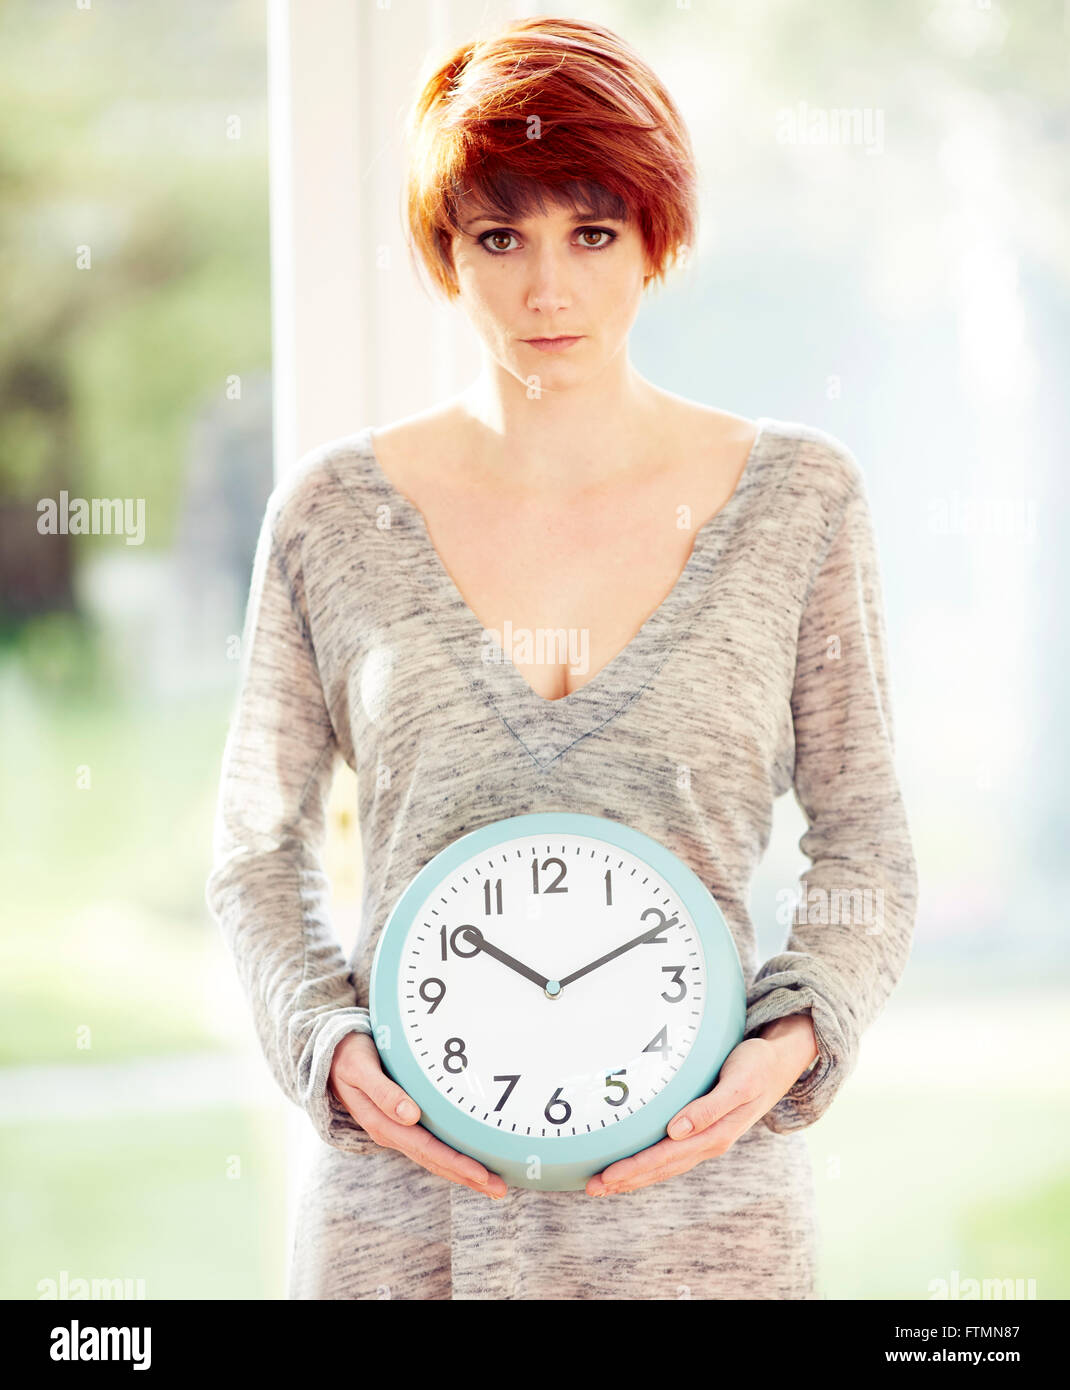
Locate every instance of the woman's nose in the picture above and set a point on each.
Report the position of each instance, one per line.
(548, 290)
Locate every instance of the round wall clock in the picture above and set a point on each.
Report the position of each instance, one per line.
(551, 989)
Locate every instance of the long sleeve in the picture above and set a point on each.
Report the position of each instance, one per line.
(267, 889)
(851, 932)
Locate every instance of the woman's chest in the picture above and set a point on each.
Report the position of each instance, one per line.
(562, 598)
(411, 678)
(564, 587)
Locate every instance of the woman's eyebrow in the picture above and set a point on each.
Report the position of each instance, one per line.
(585, 216)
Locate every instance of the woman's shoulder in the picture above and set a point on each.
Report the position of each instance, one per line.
(791, 451)
(813, 476)
(322, 480)
(369, 465)
(814, 457)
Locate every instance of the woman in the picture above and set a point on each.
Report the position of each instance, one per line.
(721, 576)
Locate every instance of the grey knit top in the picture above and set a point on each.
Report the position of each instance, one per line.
(763, 670)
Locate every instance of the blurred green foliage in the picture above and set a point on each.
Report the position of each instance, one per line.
(146, 1197)
(157, 170)
(917, 1180)
(60, 654)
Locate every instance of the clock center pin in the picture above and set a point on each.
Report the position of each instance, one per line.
(553, 988)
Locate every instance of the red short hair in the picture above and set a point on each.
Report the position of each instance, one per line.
(556, 107)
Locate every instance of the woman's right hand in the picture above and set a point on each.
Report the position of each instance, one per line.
(359, 1083)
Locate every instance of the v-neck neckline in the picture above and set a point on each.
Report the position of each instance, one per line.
(545, 727)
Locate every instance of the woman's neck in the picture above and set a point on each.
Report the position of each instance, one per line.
(593, 433)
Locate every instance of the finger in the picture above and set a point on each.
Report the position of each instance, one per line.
(484, 1189)
(438, 1171)
(645, 1177)
(644, 1162)
(705, 1111)
(370, 1078)
(711, 1143)
(659, 1174)
(422, 1147)
(450, 1178)
(422, 1142)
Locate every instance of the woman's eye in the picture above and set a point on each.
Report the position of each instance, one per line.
(598, 231)
(493, 240)
(488, 237)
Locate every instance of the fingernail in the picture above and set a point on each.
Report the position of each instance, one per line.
(680, 1127)
(406, 1110)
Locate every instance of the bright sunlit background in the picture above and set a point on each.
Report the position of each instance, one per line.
(884, 253)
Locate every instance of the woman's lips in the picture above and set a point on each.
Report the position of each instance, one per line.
(553, 344)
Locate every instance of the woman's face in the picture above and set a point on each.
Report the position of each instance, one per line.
(550, 275)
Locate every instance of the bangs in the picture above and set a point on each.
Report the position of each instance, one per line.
(510, 197)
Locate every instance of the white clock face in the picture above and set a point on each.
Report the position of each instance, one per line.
(511, 1006)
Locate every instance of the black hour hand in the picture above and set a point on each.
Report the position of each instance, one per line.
(476, 937)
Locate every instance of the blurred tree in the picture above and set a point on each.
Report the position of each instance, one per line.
(133, 201)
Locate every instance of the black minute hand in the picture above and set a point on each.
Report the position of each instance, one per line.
(612, 955)
(478, 939)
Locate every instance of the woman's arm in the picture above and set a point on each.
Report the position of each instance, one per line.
(267, 889)
(843, 959)
(817, 996)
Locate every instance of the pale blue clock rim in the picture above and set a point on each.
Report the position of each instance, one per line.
(721, 1028)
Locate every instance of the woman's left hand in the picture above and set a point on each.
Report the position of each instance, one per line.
(754, 1076)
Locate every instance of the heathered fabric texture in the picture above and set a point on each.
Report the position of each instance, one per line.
(762, 670)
